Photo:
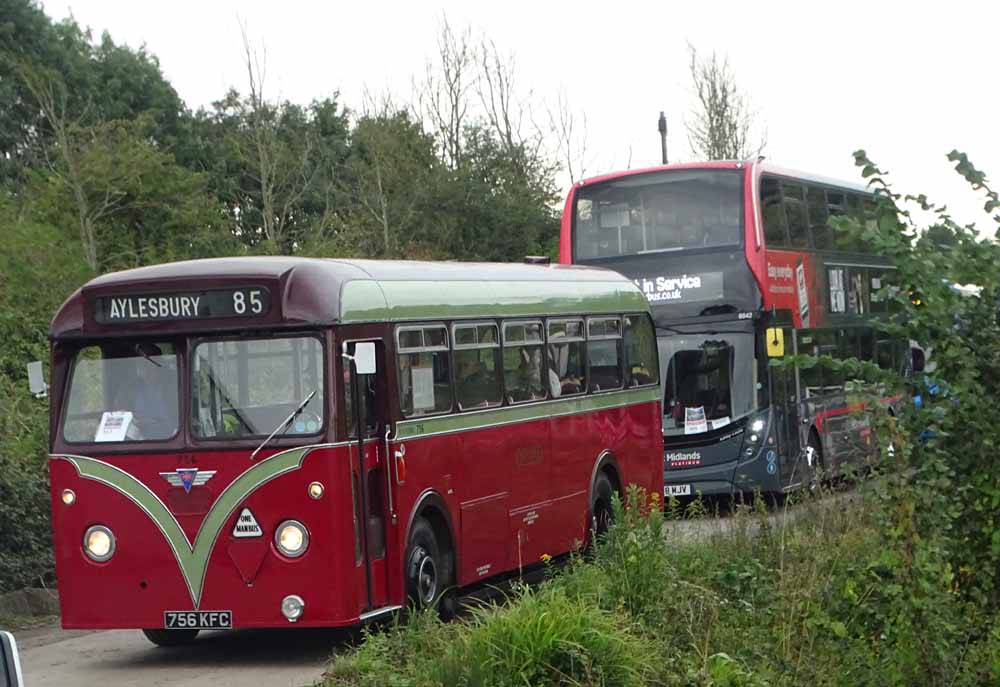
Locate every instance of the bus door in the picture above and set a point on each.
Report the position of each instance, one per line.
(367, 413)
(785, 413)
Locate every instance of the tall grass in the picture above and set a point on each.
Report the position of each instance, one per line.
(758, 598)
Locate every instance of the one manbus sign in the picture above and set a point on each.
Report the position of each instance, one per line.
(189, 305)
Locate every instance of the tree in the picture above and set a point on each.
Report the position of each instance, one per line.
(392, 173)
(442, 97)
(722, 121)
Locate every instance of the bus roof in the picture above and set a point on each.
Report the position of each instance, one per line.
(763, 167)
(320, 291)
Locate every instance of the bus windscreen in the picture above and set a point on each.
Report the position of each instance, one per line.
(708, 381)
(652, 213)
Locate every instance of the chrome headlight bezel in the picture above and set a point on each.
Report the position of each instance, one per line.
(112, 543)
(289, 553)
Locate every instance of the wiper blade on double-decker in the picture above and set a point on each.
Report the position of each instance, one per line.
(288, 420)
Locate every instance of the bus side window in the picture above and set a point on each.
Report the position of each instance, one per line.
(566, 355)
(604, 353)
(424, 370)
(822, 234)
(811, 378)
(524, 375)
(477, 379)
(795, 214)
(772, 213)
(366, 394)
(641, 364)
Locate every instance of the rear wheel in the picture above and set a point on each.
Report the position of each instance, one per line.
(170, 637)
(428, 570)
(601, 512)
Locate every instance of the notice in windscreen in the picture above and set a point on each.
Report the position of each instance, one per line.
(683, 288)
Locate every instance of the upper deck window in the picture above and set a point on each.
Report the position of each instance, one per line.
(664, 211)
(246, 387)
(122, 393)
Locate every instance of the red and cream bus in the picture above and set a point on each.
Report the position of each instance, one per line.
(734, 256)
(207, 418)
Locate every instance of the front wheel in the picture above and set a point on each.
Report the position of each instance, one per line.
(428, 570)
(814, 464)
(170, 637)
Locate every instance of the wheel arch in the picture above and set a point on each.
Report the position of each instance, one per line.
(431, 505)
(606, 462)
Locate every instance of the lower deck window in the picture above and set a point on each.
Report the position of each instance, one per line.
(424, 370)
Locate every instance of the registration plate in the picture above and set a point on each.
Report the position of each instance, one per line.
(198, 620)
(677, 490)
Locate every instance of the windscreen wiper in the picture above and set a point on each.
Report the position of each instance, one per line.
(283, 425)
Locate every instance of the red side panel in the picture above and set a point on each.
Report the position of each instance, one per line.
(793, 284)
(566, 229)
(754, 228)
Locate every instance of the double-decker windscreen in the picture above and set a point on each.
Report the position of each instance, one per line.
(658, 212)
(709, 380)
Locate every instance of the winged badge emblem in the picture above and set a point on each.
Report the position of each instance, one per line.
(187, 477)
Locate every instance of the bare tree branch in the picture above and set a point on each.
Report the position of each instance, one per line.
(720, 125)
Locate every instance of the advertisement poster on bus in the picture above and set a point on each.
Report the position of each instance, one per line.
(792, 284)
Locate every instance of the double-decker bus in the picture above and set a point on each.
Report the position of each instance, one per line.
(741, 262)
(253, 442)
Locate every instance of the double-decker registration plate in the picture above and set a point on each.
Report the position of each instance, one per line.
(198, 620)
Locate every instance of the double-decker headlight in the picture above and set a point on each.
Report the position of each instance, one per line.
(99, 543)
(291, 538)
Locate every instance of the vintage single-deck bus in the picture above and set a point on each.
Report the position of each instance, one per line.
(207, 418)
(732, 256)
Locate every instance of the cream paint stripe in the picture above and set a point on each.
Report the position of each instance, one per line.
(192, 559)
(417, 428)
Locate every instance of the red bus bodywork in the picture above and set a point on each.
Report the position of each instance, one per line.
(765, 286)
(506, 486)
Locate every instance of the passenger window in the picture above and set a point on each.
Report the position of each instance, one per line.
(795, 215)
(822, 235)
(523, 361)
(477, 349)
(566, 374)
(819, 380)
(641, 364)
(424, 370)
(772, 213)
(604, 353)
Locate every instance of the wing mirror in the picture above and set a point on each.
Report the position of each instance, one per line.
(10, 665)
(36, 380)
(364, 357)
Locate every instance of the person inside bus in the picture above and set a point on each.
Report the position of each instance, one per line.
(560, 384)
(151, 396)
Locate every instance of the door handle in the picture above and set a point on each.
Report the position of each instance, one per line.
(399, 464)
(388, 482)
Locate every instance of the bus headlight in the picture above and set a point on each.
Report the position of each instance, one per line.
(99, 543)
(291, 538)
(756, 431)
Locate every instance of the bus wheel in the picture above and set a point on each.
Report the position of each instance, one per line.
(170, 637)
(814, 464)
(601, 513)
(428, 572)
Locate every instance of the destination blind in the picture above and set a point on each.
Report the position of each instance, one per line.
(199, 305)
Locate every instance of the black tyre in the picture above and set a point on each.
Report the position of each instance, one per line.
(170, 637)
(429, 579)
(813, 464)
(601, 512)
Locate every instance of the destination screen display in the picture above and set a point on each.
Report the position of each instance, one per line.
(192, 305)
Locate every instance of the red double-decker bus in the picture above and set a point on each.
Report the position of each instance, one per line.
(732, 256)
(253, 442)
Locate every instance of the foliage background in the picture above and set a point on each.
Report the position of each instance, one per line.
(103, 167)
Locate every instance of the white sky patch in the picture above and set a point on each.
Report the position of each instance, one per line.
(906, 82)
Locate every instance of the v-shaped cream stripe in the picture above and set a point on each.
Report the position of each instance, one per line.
(192, 558)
